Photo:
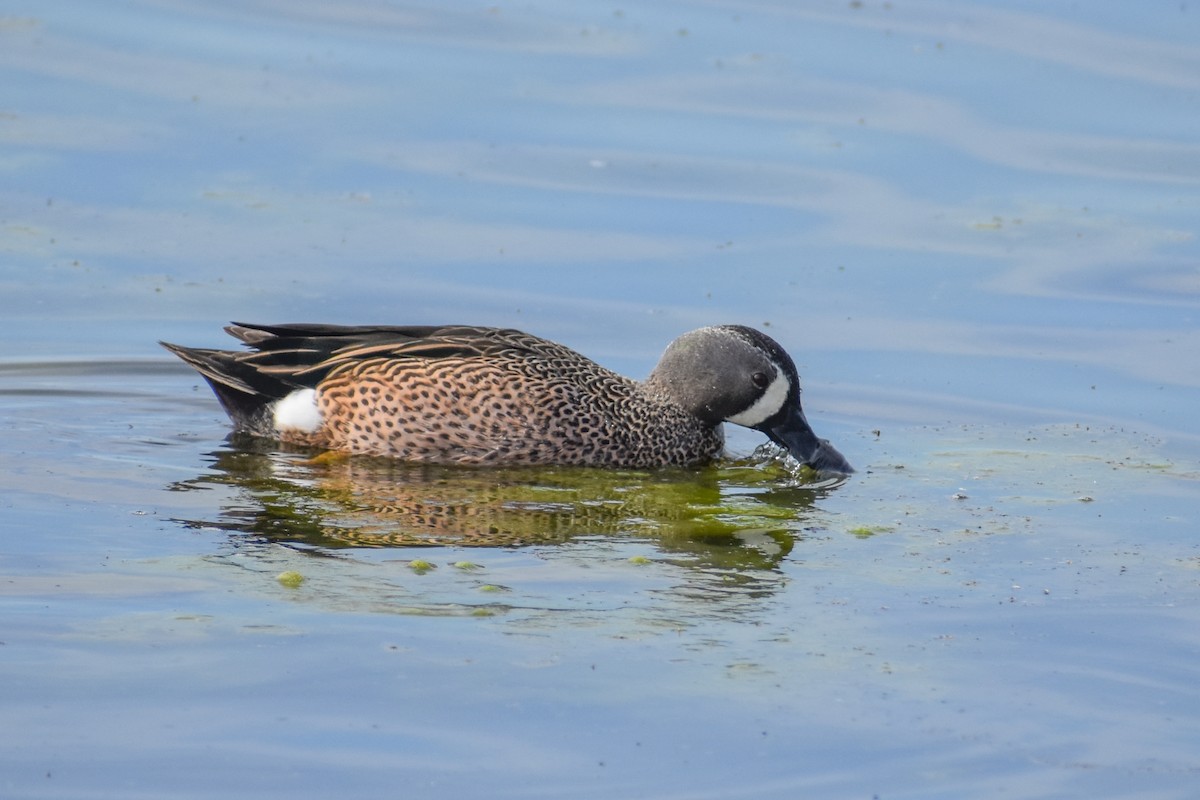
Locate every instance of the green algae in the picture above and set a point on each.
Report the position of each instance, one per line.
(290, 578)
(865, 531)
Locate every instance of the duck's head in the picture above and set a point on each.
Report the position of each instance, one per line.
(731, 373)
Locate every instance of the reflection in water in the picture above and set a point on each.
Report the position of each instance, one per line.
(729, 525)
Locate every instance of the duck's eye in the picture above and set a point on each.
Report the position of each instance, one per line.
(760, 379)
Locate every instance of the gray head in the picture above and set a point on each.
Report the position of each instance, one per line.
(731, 373)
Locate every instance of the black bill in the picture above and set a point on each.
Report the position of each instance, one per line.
(789, 429)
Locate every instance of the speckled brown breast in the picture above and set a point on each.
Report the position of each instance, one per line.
(506, 407)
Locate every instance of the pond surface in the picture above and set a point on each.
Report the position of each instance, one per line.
(972, 224)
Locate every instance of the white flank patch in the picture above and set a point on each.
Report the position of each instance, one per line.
(298, 412)
(766, 406)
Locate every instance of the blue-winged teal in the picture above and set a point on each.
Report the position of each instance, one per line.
(458, 394)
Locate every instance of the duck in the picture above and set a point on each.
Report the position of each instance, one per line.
(461, 394)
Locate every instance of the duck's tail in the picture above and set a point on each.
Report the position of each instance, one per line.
(245, 392)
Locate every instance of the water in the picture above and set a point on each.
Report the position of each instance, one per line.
(972, 224)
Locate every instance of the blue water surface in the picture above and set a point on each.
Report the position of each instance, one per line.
(973, 225)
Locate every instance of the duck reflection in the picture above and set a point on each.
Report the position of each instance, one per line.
(737, 516)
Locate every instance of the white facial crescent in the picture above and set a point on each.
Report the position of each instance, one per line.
(766, 406)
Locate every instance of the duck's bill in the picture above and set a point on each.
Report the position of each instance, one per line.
(791, 430)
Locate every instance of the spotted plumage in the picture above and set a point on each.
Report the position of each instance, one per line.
(470, 395)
